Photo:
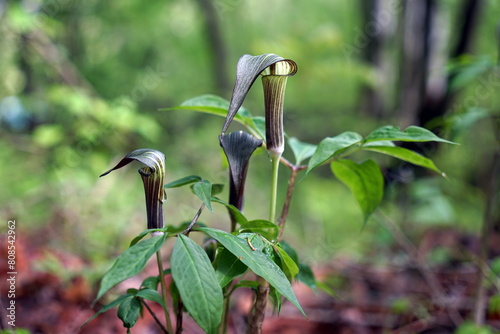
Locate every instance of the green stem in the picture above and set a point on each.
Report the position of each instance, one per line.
(259, 308)
(275, 160)
(164, 292)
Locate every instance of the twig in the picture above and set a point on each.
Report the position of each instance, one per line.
(164, 330)
(195, 219)
(289, 192)
(178, 325)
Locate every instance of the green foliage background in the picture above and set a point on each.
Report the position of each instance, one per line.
(82, 83)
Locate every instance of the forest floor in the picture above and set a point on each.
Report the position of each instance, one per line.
(404, 295)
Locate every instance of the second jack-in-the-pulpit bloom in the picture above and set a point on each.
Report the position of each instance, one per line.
(153, 175)
(238, 147)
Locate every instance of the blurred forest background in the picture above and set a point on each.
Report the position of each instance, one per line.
(82, 81)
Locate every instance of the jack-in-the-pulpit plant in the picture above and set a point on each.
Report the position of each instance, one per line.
(204, 278)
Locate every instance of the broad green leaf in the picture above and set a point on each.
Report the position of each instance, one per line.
(228, 267)
(301, 151)
(150, 294)
(287, 262)
(365, 181)
(405, 155)
(257, 261)
(258, 224)
(210, 104)
(107, 307)
(129, 311)
(379, 143)
(306, 276)
(411, 134)
(130, 262)
(240, 218)
(183, 181)
(332, 146)
(203, 190)
(197, 283)
(290, 251)
(259, 227)
(253, 240)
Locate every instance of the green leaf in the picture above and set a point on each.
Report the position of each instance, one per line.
(183, 181)
(306, 276)
(209, 104)
(287, 262)
(258, 224)
(247, 284)
(197, 283)
(332, 146)
(146, 232)
(275, 297)
(301, 151)
(150, 294)
(258, 124)
(365, 181)
(411, 134)
(130, 262)
(257, 261)
(217, 188)
(151, 282)
(203, 190)
(107, 307)
(129, 311)
(405, 155)
(228, 267)
(240, 218)
(290, 251)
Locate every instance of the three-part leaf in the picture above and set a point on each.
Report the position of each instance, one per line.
(197, 283)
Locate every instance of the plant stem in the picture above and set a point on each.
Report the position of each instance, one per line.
(225, 312)
(256, 318)
(275, 160)
(164, 292)
(164, 330)
(180, 307)
(289, 192)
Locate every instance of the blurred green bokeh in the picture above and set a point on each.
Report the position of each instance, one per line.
(82, 83)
